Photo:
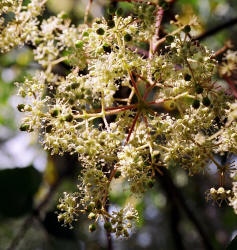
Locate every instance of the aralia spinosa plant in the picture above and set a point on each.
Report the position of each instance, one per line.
(173, 112)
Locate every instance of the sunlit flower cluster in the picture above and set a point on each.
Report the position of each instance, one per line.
(172, 112)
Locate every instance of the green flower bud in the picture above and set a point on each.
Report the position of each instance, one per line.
(117, 174)
(187, 29)
(85, 33)
(89, 208)
(125, 233)
(107, 48)
(21, 107)
(75, 85)
(199, 89)
(48, 129)
(54, 112)
(111, 24)
(79, 44)
(71, 101)
(196, 104)
(98, 21)
(25, 127)
(187, 77)
(69, 118)
(108, 226)
(63, 15)
(100, 31)
(127, 37)
(206, 101)
(91, 216)
(98, 205)
(92, 227)
(169, 39)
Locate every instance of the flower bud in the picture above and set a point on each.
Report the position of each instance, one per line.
(206, 101)
(127, 38)
(100, 31)
(92, 227)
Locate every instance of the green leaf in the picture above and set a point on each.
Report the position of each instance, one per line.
(17, 189)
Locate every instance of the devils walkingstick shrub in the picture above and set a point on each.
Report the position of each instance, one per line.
(175, 112)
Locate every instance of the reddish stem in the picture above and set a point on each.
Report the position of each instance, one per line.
(148, 90)
(155, 39)
(136, 1)
(135, 86)
(133, 125)
(159, 16)
(132, 106)
(154, 103)
(231, 85)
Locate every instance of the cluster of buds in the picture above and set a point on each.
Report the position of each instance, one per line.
(219, 195)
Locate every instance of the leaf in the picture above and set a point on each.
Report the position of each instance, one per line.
(17, 189)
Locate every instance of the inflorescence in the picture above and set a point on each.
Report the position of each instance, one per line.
(174, 114)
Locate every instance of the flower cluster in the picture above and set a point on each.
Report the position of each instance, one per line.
(22, 26)
(171, 111)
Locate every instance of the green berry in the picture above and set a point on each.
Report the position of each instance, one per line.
(79, 44)
(196, 104)
(69, 117)
(98, 21)
(55, 113)
(187, 29)
(111, 24)
(63, 15)
(100, 31)
(92, 227)
(127, 37)
(117, 174)
(98, 205)
(24, 127)
(107, 48)
(89, 208)
(108, 226)
(21, 107)
(187, 77)
(85, 33)
(74, 85)
(206, 101)
(169, 39)
(199, 89)
(48, 129)
(91, 216)
(119, 12)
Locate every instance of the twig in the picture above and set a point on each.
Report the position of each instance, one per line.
(136, 1)
(227, 45)
(108, 234)
(174, 224)
(232, 86)
(88, 7)
(132, 127)
(154, 43)
(168, 184)
(216, 29)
